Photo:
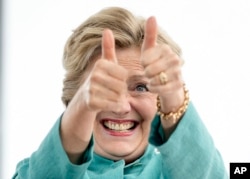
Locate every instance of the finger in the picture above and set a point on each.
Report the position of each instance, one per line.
(102, 104)
(170, 87)
(171, 75)
(156, 80)
(150, 34)
(103, 93)
(114, 70)
(109, 82)
(167, 62)
(156, 67)
(108, 46)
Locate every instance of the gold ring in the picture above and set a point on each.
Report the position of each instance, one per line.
(163, 78)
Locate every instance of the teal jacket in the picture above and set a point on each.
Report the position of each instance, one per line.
(189, 153)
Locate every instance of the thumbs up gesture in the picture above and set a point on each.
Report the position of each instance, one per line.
(106, 83)
(162, 68)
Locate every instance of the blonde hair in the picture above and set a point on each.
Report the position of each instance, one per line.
(85, 43)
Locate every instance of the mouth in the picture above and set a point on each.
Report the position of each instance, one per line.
(119, 126)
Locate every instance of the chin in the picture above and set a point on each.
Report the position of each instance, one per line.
(121, 150)
(118, 139)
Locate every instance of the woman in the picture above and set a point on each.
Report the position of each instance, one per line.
(120, 71)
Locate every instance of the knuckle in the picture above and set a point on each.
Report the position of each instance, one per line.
(92, 103)
(178, 85)
(92, 92)
(147, 72)
(143, 62)
(98, 64)
(177, 75)
(166, 48)
(94, 77)
(122, 73)
(101, 64)
(175, 59)
(120, 86)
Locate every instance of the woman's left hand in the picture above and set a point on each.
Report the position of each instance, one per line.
(163, 68)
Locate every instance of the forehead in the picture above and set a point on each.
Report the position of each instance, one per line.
(130, 59)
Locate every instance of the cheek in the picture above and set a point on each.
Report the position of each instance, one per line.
(146, 107)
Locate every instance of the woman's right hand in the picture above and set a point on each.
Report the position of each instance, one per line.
(102, 90)
(106, 83)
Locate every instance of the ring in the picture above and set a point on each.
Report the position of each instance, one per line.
(163, 78)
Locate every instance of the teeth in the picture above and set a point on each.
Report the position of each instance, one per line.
(119, 126)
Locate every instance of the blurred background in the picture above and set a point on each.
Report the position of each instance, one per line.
(214, 36)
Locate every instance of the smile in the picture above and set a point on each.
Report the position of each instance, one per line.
(119, 125)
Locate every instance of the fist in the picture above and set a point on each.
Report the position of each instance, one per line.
(106, 83)
(162, 68)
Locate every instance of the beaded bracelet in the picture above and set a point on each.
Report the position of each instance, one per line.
(174, 115)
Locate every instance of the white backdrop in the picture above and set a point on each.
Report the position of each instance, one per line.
(214, 36)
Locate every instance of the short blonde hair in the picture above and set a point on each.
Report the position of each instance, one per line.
(85, 43)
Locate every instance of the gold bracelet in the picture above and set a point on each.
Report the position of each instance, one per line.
(174, 115)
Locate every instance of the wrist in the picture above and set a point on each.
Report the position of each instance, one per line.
(173, 111)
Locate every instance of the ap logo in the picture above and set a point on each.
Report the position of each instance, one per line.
(239, 170)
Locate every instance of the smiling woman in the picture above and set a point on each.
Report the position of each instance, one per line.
(114, 64)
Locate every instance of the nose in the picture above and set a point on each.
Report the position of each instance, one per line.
(123, 106)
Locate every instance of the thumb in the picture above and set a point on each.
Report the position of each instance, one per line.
(150, 34)
(108, 46)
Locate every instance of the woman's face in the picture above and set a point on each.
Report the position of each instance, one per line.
(124, 134)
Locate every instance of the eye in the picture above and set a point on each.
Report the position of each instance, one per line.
(141, 88)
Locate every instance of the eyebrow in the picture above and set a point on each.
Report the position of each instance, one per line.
(137, 78)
